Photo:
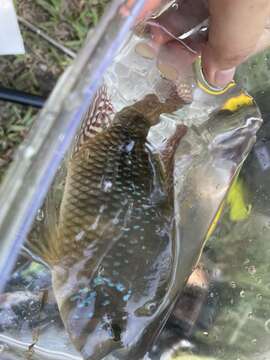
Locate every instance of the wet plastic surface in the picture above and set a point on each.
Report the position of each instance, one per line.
(222, 312)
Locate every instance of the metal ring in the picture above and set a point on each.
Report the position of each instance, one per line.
(204, 84)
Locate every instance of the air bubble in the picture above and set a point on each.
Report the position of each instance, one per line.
(151, 306)
(242, 294)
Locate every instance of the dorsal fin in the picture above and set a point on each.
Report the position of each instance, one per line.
(98, 117)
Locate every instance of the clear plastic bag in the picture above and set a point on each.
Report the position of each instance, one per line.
(148, 175)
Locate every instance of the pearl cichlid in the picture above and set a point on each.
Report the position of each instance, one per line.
(111, 252)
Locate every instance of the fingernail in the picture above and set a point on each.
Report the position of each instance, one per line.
(223, 77)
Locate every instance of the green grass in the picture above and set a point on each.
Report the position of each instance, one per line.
(74, 18)
(37, 72)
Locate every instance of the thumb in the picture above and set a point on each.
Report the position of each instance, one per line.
(235, 29)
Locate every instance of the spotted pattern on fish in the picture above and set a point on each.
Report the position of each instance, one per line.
(112, 253)
(108, 224)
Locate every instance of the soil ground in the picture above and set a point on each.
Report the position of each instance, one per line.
(66, 21)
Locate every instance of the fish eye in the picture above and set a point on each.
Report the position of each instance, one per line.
(116, 332)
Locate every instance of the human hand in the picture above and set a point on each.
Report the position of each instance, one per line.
(237, 30)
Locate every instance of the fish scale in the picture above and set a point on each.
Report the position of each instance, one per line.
(111, 254)
(131, 178)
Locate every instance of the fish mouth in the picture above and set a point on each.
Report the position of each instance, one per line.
(98, 340)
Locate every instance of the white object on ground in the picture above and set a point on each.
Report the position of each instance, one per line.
(11, 42)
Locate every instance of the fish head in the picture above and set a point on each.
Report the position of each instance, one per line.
(93, 315)
(104, 318)
(96, 338)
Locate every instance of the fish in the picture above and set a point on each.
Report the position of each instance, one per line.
(111, 248)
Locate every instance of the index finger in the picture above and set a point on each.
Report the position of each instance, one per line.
(235, 29)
